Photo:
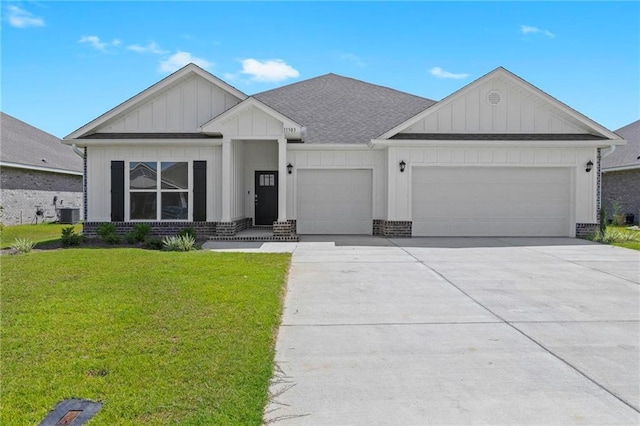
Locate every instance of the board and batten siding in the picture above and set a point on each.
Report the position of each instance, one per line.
(252, 123)
(517, 112)
(584, 184)
(258, 156)
(99, 179)
(183, 107)
(374, 160)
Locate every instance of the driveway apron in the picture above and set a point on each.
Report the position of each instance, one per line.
(458, 331)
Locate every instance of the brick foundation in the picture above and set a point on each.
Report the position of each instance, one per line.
(282, 229)
(158, 229)
(228, 229)
(584, 230)
(392, 228)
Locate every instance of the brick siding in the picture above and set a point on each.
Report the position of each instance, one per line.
(623, 187)
(25, 191)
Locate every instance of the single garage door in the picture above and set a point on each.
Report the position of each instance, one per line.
(491, 201)
(335, 201)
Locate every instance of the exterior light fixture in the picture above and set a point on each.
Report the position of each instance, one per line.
(290, 168)
(589, 166)
(402, 165)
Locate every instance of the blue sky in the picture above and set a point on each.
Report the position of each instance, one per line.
(65, 63)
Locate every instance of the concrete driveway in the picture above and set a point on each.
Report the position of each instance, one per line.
(458, 331)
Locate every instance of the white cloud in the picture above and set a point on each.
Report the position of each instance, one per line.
(528, 29)
(94, 41)
(270, 70)
(149, 48)
(440, 73)
(20, 18)
(180, 59)
(116, 42)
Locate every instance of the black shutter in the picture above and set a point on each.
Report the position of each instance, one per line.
(117, 191)
(199, 191)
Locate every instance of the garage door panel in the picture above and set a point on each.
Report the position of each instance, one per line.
(334, 201)
(479, 201)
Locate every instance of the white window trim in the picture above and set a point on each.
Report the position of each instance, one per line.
(158, 190)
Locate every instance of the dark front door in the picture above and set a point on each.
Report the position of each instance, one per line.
(266, 198)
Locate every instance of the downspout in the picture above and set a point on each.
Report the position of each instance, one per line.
(612, 148)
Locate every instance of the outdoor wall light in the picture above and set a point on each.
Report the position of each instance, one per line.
(290, 168)
(589, 166)
(402, 165)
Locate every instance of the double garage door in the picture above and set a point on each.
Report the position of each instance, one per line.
(491, 201)
(334, 201)
(445, 201)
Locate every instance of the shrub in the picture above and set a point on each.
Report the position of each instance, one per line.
(178, 243)
(603, 220)
(188, 231)
(70, 238)
(612, 235)
(130, 237)
(141, 230)
(22, 245)
(108, 233)
(153, 243)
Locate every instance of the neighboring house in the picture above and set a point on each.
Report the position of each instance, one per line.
(38, 174)
(621, 174)
(334, 155)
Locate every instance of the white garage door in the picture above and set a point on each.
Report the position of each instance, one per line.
(479, 201)
(334, 202)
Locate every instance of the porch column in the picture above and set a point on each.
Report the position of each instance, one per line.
(282, 180)
(226, 180)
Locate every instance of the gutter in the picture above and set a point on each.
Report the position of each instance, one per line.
(611, 149)
(77, 150)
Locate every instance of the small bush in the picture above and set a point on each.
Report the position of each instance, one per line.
(108, 233)
(141, 230)
(22, 245)
(70, 238)
(612, 235)
(188, 231)
(178, 243)
(603, 220)
(130, 237)
(153, 243)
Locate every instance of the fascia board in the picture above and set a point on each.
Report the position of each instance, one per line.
(41, 169)
(83, 143)
(491, 144)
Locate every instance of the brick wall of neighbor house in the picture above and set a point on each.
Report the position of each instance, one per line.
(23, 191)
(623, 187)
(158, 229)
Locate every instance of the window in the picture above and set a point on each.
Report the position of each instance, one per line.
(159, 190)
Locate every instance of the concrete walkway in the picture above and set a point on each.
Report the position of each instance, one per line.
(458, 331)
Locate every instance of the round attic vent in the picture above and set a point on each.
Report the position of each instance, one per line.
(494, 97)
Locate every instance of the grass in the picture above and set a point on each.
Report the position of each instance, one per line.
(158, 337)
(620, 236)
(41, 233)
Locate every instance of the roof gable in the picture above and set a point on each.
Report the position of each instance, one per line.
(181, 102)
(23, 144)
(500, 102)
(626, 156)
(253, 119)
(337, 109)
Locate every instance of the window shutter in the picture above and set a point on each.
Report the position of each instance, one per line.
(117, 191)
(199, 191)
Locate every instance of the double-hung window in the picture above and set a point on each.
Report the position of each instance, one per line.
(158, 190)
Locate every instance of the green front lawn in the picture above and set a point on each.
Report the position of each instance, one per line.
(158, 337)
(43, 232)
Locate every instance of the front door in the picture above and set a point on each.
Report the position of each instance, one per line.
(266, 198)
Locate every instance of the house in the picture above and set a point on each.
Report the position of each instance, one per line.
(621, 174)
(39, 175)
(334, 155)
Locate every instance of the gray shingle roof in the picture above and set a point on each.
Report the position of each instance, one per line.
(338, 109)
(629, 154)
(26, 145)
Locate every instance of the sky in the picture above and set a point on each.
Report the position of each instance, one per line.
(66, 63)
